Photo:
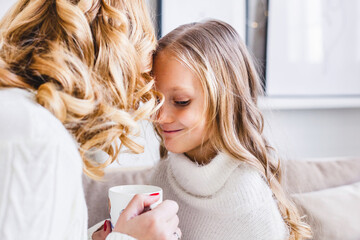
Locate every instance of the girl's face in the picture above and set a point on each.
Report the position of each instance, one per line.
(180, 120)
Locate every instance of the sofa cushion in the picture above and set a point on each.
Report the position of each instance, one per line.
(332, 213)
(312, 175)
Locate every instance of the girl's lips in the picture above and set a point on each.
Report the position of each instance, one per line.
(172, 131)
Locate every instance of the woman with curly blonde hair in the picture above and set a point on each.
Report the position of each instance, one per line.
(74, 77)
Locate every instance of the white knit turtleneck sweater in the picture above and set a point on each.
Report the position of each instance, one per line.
(41, 192)
(225, 199)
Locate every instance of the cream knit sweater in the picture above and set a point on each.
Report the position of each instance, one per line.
(225, 199)
(41, 193)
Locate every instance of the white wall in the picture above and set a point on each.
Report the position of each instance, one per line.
(5, 5)
(313, 54)
(178, 12)
(314, 133)
(313, 48)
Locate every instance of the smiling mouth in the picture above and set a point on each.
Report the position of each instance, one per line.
(172, 131)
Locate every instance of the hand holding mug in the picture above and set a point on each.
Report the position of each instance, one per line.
(120, 197)
(159, 223)
(129, 207)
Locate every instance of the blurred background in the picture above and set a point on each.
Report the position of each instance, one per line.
(308, 54)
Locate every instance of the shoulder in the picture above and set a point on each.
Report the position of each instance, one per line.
(22, 117)
(40, 160)
(249, 183)
(257, 201)
(29, 128)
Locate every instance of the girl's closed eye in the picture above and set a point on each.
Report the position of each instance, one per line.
(182, 103)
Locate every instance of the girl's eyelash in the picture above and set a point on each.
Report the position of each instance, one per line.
(182, 103)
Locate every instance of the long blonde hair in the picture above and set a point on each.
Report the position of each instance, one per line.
(217, 56)
(88, 62)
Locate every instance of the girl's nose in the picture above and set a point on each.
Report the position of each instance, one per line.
(165, 115)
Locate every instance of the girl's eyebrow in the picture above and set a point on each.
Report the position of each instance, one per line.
(178, 89)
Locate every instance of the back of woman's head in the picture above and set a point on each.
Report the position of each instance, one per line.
(88, 61)
(217, 56)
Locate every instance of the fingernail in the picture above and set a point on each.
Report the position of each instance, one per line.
(154, 194)
(105, 225)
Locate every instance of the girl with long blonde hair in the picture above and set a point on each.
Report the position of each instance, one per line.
(74, 78)
(217, 163)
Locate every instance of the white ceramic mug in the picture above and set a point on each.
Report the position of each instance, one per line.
(120, 196)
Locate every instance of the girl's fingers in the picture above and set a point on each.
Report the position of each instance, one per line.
(165, 210)
(137, 205)
(173, 223)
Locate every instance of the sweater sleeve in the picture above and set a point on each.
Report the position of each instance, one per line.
(119, 236)
(41, 195)
(111, 236)
(41, 191)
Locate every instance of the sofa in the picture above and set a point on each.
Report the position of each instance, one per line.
(326, 191)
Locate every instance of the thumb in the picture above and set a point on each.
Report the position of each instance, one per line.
(138, 205)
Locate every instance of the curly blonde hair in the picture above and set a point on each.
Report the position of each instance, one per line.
(88, 62)
(217, 56)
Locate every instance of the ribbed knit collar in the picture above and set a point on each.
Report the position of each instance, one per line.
(201, 180)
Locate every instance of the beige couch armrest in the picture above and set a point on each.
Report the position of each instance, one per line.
(301, 176)
(328, 193)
